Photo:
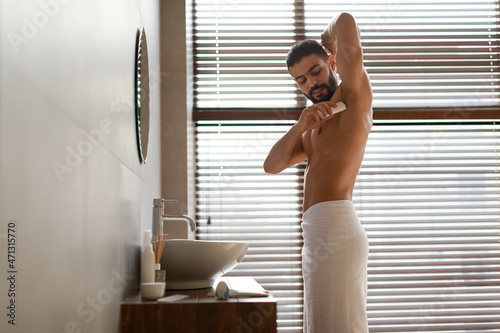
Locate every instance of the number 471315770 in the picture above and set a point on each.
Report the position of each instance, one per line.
(11, 245)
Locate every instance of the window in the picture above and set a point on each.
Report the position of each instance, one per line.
(428, 190)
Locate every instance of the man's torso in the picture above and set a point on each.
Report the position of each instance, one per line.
(335, 150)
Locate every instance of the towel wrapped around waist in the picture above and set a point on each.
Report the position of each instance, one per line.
(334, 268)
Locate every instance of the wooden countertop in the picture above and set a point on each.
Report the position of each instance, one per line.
(199, 312)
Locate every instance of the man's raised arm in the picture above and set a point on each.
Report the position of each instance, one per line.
(341, 38)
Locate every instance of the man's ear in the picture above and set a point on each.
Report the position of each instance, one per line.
(331, 62)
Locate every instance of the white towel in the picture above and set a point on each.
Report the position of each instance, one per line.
(334, 265)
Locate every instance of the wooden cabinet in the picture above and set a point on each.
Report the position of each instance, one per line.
(199, 312)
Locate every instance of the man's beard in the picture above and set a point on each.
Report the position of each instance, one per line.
(330, 90)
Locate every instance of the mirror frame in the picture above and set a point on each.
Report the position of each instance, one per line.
(142, 95)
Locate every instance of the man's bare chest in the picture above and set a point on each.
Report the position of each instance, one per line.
(323, 140)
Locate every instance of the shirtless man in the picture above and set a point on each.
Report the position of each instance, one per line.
(335, 251)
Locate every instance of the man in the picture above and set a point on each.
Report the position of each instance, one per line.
(335, 251)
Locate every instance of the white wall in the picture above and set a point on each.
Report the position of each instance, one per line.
(67, 68)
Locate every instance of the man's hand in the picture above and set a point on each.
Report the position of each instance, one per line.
(315, 115)
(329, 42)
(328, 38)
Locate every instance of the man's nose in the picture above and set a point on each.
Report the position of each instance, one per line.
(311, 81)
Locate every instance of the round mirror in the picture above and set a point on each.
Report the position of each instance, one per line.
(142, 95)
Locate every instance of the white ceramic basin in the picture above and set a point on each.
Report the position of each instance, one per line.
(196, 264)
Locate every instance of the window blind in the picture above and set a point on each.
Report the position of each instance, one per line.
(428, 197)
(423, 54)
(243, 203)
(427, 194)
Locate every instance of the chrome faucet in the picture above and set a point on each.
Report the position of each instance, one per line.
(159, 216)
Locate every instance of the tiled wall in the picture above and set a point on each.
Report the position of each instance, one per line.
(73, 193)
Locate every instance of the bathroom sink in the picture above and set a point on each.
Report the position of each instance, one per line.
(196, 264)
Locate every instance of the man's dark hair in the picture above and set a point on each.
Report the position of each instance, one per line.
(302, 49)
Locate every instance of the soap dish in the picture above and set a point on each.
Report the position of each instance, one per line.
(153, 290)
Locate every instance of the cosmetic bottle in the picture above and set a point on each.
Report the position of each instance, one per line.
(148, 260)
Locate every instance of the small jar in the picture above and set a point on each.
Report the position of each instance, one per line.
(159, 273)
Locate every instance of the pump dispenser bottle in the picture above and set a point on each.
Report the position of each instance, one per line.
(148, 260)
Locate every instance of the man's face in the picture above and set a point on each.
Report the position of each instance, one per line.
(314, 78)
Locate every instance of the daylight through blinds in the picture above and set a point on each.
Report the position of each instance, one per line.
(428, 191)
(427, 195)
(418, 54)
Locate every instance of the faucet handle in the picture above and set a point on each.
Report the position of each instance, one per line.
(160, 202)
(170, 200)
